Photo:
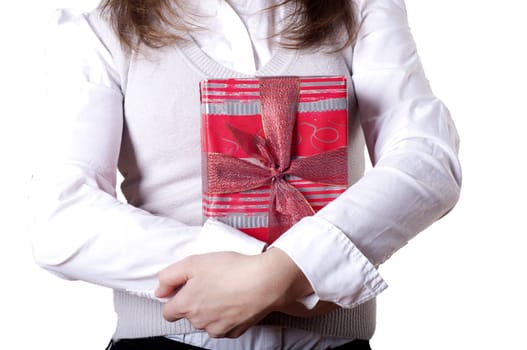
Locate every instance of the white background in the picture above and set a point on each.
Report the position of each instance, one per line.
(459, 285)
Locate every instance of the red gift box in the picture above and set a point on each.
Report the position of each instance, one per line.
(274, 150)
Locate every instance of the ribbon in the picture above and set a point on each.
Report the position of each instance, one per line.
(279, 98)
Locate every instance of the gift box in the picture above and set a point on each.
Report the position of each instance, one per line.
(274, 150)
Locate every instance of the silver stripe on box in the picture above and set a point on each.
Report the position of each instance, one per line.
(241, 221)
(236, 108)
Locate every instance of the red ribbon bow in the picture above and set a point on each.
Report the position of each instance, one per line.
(279, 97)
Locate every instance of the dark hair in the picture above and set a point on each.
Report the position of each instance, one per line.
(156, 23)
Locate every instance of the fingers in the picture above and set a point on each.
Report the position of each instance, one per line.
(181, 306)
(170, 314)
(220, 330)
(173, 277)
(217, 327)
(237, 331)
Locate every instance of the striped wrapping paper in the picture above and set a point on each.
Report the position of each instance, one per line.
(321, 126)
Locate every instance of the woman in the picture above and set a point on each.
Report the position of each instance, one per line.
(123, 94)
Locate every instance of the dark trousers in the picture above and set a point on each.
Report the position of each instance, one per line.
(161, 343)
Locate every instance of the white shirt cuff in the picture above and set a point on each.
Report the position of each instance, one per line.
(337, 271)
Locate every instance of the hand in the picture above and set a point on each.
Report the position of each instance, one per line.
(225, 293)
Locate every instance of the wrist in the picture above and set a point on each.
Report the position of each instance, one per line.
(287, 278)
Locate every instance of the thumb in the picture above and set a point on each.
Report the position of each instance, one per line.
(171, 279)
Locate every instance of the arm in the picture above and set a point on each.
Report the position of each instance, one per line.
(416, 175)
(79, 229)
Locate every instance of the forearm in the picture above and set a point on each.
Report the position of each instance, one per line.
(79, 230)
(397, 201)
(416, 177)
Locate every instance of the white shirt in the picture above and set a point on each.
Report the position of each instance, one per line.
(238, 34)
(384, 201)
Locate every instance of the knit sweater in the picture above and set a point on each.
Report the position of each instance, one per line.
(179, 70)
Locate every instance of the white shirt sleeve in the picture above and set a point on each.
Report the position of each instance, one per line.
(79, 229)
(416, 176)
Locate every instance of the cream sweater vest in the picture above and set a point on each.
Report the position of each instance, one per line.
(160, 159)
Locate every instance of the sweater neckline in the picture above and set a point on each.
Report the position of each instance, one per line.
(277, 65)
